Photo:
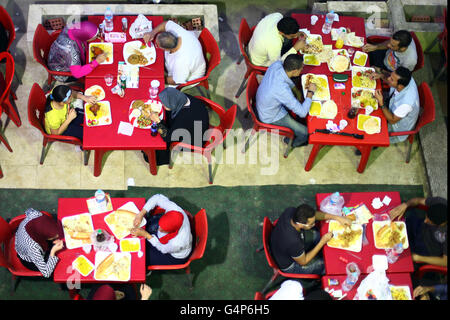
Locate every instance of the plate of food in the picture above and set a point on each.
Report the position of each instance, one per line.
(400, 292)
(130, 245)
(326, 54)
(321, 81)
(340, 62)
(83, 265)
(77, 230)
(97, 48)
(311, 60)
(314, 44)
(138, 54)
(364, 98)
(98, 114)
(353, 40)
(387, 234)
(347, 238)
(328, 110)
(361, 77)
(140, 110)
(114, 266)
(315, 108)
(95, 91)
(121, 220)
(369, 124)
(360, 58)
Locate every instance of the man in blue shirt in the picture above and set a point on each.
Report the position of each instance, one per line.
(275, 97)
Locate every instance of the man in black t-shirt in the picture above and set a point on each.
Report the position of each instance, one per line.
(427, 231)
(295, 243)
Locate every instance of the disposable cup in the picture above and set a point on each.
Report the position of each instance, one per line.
(314, 19)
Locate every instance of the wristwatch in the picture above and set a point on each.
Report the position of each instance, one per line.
(310, 91)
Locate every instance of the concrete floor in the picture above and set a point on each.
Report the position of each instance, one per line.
(262, 165)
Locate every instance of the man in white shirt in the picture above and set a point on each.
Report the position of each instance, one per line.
(183, 53)
(268, 38)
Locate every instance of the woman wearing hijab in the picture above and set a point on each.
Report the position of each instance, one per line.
(38, 238)
(60, 118)
(184, 114)
(68, 52)
(168, 231)
(118, 292)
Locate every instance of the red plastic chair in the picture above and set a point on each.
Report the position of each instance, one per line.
(210, 47)
(5, 88)
(260, 296)
(245, 34)
(42, 41)
(8, 255)
(427, 116)
(36, 109)
(217, 135)
(252, 88)
(420, 57)
(199, 228)
(8, 24)
(442, 40)
(267, 231)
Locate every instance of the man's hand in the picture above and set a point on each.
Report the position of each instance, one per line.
(300, 45)
(312, 87)
(398, 211)
(379, 96)
(326, 237)
(149, 36)
(146, 291)
(369, 47)
(419, 291)
(346, 222)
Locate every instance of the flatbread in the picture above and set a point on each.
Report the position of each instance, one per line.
(329, 110)
(339, 63)
(371, 126)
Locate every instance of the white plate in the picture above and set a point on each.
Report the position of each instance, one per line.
(309, 38)
(379, 224)
(355, 70)
(335, 53)
(327, 95)
(100, 97)
(101, 255)
(107, 47)
(133, 115)
(149, 52)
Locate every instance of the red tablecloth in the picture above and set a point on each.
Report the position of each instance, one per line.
(334, 266)
(63, 271)
(154, 70)
(396, 279)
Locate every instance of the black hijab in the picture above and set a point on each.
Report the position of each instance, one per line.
(174, 100)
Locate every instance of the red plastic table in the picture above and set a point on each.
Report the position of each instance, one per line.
(342, 97)
(64, 273)
(334, 266)
(105, 138)
(396, 279)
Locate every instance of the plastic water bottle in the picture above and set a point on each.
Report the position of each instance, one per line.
(109, 25)
(100, 197)
(352, 276)
(333, 204)
(329, 18)
(154, 129)
(394, 253)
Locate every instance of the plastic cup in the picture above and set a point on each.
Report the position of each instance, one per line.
(109, 79)
(87, 248)
(369, 110)
(350, 51)
(314, 19)
(154, 89)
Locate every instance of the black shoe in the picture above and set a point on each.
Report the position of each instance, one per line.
(358, 153)
(145, 156)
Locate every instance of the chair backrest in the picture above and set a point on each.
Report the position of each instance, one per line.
(42, 41)
(427, 105)
(201, 234)
(420, 58)
(36, 107)
(6, 21)
(252, 88)
(5, 235)
(267, 231)
(6, 79)
(209, 46)
(245, 34)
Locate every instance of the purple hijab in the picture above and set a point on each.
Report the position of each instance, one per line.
(81, 33)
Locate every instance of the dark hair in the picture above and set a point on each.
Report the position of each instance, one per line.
(293, 62)
(437, 213)
(404, 74)
(303, 213)
(167, 40)
(318, 294)
(288, 25)
(58, 94)
(404, 37)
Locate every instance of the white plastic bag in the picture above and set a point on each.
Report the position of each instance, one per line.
(374, 287)
(140, 26)
(332, 204)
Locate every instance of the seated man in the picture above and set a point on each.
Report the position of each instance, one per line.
(403, 106)
(294, 245)
(427, 232)
(275, 95)
(398, 51)
(271, 35)
(183, 52)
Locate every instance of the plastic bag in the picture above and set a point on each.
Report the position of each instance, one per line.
(332, 204)
(140, 26)
(374, 287)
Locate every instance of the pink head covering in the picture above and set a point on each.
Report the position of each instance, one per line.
(81, 33)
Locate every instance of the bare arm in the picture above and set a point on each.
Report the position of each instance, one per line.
(306, 257)
(437, 261)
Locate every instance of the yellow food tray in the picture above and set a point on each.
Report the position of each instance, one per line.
(107, 48)
(360, 58)
(83, 265)
(362, 118)
(130, 245)
(316, 107)
(311, 60)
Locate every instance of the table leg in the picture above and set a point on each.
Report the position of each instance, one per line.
(98, 162)
(365, 154)
(312, 156)
(151, 161)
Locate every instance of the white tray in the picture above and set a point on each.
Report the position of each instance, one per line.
(315, 98)
(101, 255)
(308, 40)
(134, 240)
(357, 246)
(355, 70)
(102, 121)
(106, 47)
(354, 90)
(75, 243)
(360, 123)
(360, 53)
(149, 52)
(378, 224)
(129, 206)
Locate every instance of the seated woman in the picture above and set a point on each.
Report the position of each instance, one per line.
(168, 231)
(118, 292)
(60, 119)
(38, 238)
(68, 52)
(184, 114)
